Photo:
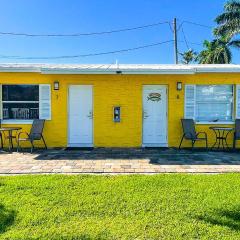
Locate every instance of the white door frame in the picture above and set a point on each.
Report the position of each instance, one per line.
(68, 102)
(156, 145)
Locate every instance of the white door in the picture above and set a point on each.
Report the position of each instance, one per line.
(155, 116)
(80, 116)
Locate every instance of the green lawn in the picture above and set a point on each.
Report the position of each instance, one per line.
(120, 207)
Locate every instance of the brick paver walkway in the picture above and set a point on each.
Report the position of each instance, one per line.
(114, 161)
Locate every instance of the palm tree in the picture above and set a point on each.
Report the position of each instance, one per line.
(229, 20)
(215, 52)
(189, 56)
(218, 51)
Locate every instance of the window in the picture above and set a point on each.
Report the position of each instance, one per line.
(20, 101)
(209, 103)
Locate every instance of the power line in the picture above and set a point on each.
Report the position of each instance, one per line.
(185, 38)
(87, 55)
(197, 24)
(193, 43)
(180, 26)
(84, 34)
(103, 32)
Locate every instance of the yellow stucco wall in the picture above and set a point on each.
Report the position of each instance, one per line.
(112, 90)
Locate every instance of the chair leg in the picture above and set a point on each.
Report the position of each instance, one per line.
(181, 142)
(193, 142)
(234, 142)
(32, 146)
(1, 141)
(18, 145)
(44, 142)
(206, 144)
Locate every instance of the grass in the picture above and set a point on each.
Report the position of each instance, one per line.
(120, 207)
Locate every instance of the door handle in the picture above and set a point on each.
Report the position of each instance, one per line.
(145, 115)
(90, 116)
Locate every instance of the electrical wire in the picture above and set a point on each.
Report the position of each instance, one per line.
(185, 38)
(197, 24)
(88, 55)
(84, 34)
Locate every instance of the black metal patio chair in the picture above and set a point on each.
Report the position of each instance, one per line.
(189, 133)
(36, 134)
(236, 135)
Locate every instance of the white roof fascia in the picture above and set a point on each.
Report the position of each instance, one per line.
(217, 70)
(116, 71)
(121, 69)
(20, 69)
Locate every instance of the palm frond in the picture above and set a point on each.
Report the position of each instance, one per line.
(215, 52)
(229, 21)
(234, 43)
(232, 5)
(229, 29)
(227, 16)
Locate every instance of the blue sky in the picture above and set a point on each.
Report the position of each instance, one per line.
(55, 16)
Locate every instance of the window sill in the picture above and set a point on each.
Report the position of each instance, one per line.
(12, 121)
(214, 123)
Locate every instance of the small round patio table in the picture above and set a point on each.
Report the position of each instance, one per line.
(221, 134)
(10, 130)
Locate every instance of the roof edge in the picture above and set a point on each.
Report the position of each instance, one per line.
(116, 71)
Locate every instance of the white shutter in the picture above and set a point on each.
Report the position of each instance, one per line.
(1, 104)
(238, 101)
(190, 98)
(45, 101)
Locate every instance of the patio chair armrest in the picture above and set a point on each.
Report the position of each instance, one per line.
(202, 133)
(21, 133)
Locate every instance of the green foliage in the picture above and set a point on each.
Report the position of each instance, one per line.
(218, 51)
(188, 57)
(229, 21)
(176, 206)
(215, 52)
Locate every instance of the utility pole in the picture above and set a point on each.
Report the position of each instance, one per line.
(175, 40)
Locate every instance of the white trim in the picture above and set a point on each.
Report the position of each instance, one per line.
(1, 103)
(115, 71)
(80, 145)
(237, 114)
(124, 68)
(20, 101)
(153, 145)
(16, 121)
(45, 101)
(185, 100)
(217, 70)
(214, 123)
(20, 69)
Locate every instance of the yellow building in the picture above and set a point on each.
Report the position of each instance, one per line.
(119, 105)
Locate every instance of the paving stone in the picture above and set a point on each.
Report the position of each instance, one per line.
(119, 161)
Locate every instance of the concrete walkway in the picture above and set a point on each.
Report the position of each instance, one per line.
(114, 161)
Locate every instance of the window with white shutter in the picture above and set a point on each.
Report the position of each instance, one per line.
(1, 109)
(214, 103)
(45, 101)
(210, 103)
(238, 101)
(20, 102)
(190, 98)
